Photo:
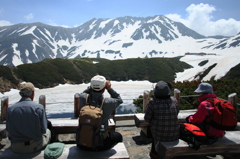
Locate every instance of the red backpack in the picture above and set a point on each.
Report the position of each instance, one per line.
(193, 135)
(224, 116)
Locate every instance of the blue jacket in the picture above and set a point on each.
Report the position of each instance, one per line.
(26, 120)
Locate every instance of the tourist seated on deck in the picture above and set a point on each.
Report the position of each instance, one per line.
(26, 123)
(94, 93)
(204, 110)
(162, 113)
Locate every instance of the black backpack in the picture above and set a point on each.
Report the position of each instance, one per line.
(194, 136)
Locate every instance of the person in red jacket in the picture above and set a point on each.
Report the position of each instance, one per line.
(204, 110)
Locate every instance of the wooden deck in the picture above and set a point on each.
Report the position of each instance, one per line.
(72, 152)
(230, 143)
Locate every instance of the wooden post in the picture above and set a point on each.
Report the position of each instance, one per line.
(145, 103)
(76, 104)
(232, 98)
(42, 100)
(4, 106)
(177, 95)
(145, 100)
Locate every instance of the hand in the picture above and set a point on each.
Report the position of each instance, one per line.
(108, 85)
(188, 118)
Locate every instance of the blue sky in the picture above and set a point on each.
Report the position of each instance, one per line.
(207, 17)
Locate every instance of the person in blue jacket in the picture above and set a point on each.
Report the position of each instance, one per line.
(26, 123)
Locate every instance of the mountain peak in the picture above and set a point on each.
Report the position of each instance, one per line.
(119, 38)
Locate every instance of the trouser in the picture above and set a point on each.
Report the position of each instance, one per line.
(112, 139)
(32, 145)
(160, 149)
(153, 153)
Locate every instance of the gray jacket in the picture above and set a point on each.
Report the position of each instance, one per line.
(109, 105)
(26, 120)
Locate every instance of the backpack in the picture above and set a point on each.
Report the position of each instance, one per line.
(224, 117)
(193, 135)
(89, 123)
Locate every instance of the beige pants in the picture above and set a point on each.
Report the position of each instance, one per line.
(34, 146)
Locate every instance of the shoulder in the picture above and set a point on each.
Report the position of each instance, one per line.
(152, 101)
(83, 95)
(174, 99)
(205, 105)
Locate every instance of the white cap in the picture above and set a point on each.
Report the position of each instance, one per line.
(98, 82)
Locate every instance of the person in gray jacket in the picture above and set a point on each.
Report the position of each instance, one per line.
(27, 123)
(98, 85)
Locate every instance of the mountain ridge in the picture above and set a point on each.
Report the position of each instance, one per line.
(113, 39)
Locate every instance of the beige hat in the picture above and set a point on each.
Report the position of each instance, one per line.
(26, 87)
(98, 82)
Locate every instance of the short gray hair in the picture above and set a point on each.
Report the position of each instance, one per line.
(26, 94)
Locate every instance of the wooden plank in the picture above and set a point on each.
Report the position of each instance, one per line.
(66, 126)
(3, 131)
(140, 122)
(61, 126)
(42, 100)
(177, 95)
(230, 143)
(232, 98)
(76, 104)
(4, 106)
(119, 151)
(119, 117)
(146, 99)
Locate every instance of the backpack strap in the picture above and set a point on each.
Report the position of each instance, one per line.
(206, 123)
(87, 98)
(89, 102)
(208, 105)
(102, 102)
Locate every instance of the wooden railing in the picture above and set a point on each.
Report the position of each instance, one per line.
(42, 100)
(4, 106)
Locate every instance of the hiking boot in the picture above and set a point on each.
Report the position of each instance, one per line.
(153, 155)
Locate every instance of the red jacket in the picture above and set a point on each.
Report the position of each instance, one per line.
(202, 113)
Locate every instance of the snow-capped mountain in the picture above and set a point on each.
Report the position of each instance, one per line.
(120, 38)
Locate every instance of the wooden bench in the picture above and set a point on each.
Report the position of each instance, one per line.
(66, 126)
(60, 126)
(119, 151)
(229, 144)
(141, 123)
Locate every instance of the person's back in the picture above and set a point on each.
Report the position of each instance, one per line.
(162, 113)
(26, 123)
(22, 119)
(95, 92)
(204, 110)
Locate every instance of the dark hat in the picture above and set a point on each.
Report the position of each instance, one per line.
(162, 89)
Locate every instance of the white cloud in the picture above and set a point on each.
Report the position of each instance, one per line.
(200, 20)
(4, 23)
(29, 16)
